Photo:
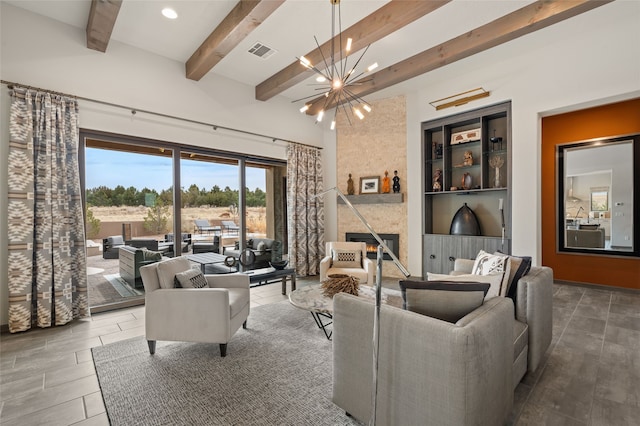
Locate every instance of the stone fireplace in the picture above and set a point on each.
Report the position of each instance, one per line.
(391, 240)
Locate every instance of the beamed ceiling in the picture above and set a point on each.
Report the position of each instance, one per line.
(406, 38)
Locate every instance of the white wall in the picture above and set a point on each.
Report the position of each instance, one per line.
(44, 53)
(588, 60)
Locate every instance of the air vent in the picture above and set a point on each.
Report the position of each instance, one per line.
(261, 51)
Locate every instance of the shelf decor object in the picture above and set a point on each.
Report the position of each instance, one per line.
(382, 248)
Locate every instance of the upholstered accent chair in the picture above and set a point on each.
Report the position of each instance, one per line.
(348, 258)
(211, 314)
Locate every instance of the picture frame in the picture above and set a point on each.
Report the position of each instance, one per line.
(370, 185)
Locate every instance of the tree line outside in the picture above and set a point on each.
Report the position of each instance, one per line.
(194, 196)
(157, 219)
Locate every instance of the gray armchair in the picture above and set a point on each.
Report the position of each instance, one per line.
(431, 372)
(208, 315)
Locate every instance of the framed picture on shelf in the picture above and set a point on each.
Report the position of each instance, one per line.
(370, 185)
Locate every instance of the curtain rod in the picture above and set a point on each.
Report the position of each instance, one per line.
(10, 85)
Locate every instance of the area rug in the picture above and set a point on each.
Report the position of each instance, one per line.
(121, 286)
(276, 372)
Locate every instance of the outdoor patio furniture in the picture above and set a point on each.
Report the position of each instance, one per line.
(110, 246)
(151, 244)
(230, 227)
(203, 225)
(131, 259)
(185, 237)
(205, 246)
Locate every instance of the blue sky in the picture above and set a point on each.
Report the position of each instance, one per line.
(113, 168)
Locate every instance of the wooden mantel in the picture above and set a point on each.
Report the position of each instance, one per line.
(373, 198)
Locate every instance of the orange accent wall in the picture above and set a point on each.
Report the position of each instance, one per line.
(604, 121)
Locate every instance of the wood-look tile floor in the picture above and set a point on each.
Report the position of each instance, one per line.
(591, 375)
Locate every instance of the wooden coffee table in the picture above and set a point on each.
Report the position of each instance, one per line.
(311, 298)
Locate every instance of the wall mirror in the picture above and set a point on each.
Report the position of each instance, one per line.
(597, 202)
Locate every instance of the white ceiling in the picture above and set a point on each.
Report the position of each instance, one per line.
(290, 30)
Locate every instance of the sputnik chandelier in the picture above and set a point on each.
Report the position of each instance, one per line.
(335, 79)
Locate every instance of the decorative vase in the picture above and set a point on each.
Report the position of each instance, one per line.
(465, 222)
(496, 162)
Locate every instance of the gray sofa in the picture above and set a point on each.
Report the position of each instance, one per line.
(431, 372)
(435, 372)
(534, 317)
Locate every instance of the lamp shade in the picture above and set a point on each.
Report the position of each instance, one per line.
(465, 222)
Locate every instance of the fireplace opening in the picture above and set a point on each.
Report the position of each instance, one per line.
(391, 240)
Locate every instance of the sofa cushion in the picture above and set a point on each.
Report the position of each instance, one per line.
(490, 264)
(116, 240)
(444, 300)
(494, 281)
(168, 269)
(520, 266)
(341, 258)
(193, 278)
(151, 255)
(261, 246)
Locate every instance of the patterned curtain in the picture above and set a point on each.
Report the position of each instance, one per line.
(306, 213)
(47, 258)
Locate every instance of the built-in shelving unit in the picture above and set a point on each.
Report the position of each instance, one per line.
(467, 159)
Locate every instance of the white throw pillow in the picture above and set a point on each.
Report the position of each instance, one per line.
(494, 280)
(341, 258)
(490, 264)
(261, 247)
(168, 269)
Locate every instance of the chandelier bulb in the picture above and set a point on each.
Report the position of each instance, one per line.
(333, 124)
(359, 113)
(320, 115)
(305, 62)
(349, 41)
(304, 108)
(366, 107)
(321, 79)
(372, 67)
(336, 84)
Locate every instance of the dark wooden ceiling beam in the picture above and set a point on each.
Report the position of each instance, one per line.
(102, 18)
(526, 20)
(384, 21)
(245, 17)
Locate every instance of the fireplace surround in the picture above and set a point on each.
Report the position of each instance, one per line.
(391, 240)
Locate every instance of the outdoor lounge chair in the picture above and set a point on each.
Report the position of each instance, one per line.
(203, 225)
(230, 227)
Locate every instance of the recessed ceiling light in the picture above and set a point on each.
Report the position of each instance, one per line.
(169, 13)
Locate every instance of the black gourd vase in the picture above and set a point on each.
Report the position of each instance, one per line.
(465, 222)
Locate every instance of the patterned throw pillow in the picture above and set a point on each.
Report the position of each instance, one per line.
(492, 264)
(192, 278)
(346, 258)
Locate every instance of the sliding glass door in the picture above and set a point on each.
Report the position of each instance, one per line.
(224, 201)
